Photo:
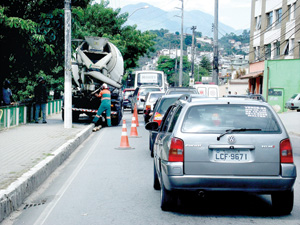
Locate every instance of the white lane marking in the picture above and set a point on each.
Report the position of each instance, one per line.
(48, 210)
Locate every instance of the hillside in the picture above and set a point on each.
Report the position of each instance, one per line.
(154, 18)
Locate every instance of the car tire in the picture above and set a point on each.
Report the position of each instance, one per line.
(151, 146)
(283, 202)
(166, 198)
(156, 184)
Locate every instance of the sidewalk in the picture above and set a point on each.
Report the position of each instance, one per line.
(30, 153)
(291, 121)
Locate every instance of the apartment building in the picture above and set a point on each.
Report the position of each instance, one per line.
(275, 30)
(274, 35)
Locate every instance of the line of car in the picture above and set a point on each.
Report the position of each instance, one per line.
(202, 144)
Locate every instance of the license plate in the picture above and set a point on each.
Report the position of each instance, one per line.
(231, 156)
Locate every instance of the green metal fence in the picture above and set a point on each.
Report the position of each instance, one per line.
(24, 113)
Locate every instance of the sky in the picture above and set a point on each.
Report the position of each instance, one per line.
(234, 13)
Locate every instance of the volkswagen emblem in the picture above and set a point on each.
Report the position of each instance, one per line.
(231, 139)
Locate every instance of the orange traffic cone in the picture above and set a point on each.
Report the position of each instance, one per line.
(135, 113)
(133, 131)
(124, 138)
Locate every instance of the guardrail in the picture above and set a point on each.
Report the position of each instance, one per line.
(24, 113)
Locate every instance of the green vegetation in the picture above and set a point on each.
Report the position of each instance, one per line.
(32, 39)
(244, 38)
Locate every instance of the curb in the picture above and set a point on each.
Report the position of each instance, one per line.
(13, 197)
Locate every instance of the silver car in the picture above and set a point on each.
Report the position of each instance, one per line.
(223, 144)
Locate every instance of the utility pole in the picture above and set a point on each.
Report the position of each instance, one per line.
(216, 57)
(193, 49)
(181, 48)
(68, 68)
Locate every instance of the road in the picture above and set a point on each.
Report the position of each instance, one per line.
(100, 184)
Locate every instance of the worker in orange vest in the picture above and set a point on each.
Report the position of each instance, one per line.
(105, 105)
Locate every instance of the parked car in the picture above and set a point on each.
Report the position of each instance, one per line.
(150, 99)
(181, 90)
(139, 95)
(126, 93)
(223, 144)
(293, 102)
(160, 108)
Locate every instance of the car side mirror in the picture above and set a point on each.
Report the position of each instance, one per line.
(151, 126)
(142, 100)
(130, 96)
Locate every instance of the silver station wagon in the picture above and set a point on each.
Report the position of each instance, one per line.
(223, 144)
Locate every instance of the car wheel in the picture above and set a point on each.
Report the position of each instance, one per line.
(151, 146)
(166, 198)
(283, 202)
(156, 184)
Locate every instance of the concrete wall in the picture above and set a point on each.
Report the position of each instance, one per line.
(239, 86)
(282, 80)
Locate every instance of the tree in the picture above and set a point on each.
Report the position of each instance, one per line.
(31, 41)
(32, 38)
(167, 65)
(205, 63)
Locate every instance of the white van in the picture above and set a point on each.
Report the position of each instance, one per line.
(293, 102)
(209, 90)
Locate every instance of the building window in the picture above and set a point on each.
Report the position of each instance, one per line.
(269, 19)
(291, 50)
(278, 16)
(291, 10)
(286, 48)
(268, 51)
(277, 49)
(257, 23)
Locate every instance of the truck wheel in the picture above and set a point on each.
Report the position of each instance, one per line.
(283, 202)
(75, 116)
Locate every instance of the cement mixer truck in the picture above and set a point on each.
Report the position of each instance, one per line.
(97, 61)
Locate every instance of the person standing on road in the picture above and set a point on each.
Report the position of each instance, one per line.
(41, 99)
(105, 105)
(6, 93)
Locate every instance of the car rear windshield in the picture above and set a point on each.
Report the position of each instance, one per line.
(127, 93)
(165, 104)
(143, 92)
(219, 118)
(155, 96)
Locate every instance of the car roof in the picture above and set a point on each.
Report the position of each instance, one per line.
(155, 92)
(181, 88)
(227, 100)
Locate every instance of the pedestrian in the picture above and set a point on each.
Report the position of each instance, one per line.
(7, 98)
(105, 105)
(41, 99)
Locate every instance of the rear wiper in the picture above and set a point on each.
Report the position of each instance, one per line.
(230, 131)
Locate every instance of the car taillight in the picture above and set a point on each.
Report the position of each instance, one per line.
(292, 104)
(157, 118)
(138, 96)
(286, 152)
(176, 150)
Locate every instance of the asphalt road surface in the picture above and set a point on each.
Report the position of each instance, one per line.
(100, 184)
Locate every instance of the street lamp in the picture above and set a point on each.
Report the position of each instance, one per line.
(144, 7)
